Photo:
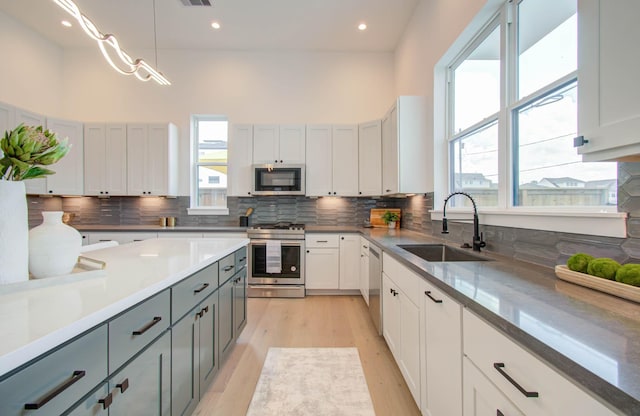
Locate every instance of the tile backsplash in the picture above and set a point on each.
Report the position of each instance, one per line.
(545, 248)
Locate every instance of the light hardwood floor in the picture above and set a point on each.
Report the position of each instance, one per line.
(314, 321)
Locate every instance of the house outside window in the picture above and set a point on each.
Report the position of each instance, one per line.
(210, 144)
(512, 114)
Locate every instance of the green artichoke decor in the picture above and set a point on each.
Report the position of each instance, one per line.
(26, 149)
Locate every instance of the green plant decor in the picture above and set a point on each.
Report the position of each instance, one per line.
(26, 149)
(389, 216)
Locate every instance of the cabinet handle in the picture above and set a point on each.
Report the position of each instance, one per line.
(322, 241)
(226, 269)
(388, 190)
(499, 367)
(203, 311)
(394, 292)
(243, 259)
(203, 287)
(579, 141)
(106, 402)
(123, 386)
(148, 326)
(428, 293)
(499, 413)
(75, 377)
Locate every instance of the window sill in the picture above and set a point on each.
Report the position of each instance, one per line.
(600, 223)
(207, 211)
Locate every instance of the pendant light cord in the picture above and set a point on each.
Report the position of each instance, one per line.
(155, 35)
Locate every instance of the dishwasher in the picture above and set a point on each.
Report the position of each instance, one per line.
(375, 286)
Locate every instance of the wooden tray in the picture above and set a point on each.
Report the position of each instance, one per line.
(375, 217)
(611, 287)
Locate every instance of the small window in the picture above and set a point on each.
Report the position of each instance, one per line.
(210, 162)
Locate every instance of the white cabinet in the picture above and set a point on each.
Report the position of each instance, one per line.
(608, 106)
(401, 321)
(322, 262)
(332, 160)
(105, 157)
(364, 269)
(152, 159)
(119, 236)
(407, 148)
(38, 185)
(442, 354)
(349, 262)
(69, 171)
(531, 385)
(481, 398)
(370, 158)
(7, 118)
(278, 143)
(240, 160)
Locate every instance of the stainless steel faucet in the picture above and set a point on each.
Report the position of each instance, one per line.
(478, 242)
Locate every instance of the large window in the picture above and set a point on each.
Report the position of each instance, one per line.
(209, 188)
(513, 114)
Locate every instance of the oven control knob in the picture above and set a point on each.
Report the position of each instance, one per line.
(294, 268)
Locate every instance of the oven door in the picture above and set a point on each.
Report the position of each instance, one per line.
(292, 252)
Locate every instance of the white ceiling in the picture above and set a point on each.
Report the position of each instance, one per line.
(300, 25)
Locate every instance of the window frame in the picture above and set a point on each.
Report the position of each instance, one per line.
(194, 208)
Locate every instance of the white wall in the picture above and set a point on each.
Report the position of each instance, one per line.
(30, 69)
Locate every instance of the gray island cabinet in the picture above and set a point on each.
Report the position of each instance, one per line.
(157, 355)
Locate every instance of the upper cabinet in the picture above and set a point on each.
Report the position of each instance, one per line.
(39, 185)
(69, 171)
(370, 158)
(608, 105)
(319, 170)
(152, 159)
(274, 143)
(105, 156)
(240, 159)
(344, 152)
(407, 148)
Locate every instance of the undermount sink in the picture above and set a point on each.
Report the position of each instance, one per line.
(441, 252)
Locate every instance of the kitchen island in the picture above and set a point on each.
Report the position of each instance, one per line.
(39, 316)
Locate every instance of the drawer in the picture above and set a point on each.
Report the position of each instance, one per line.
(133, 330)
(501, 359)
(226, 268)
(55, 382)
(322, 240)
(408, 282)
(241, 258)
(189, 292)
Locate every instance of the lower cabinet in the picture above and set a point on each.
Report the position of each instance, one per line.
(481, 398)
(225, 330)
(364, 269)
(239, 302)
(194, 355)
(322, 267)
(349, 262)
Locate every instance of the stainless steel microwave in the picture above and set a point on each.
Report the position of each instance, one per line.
(278, 180)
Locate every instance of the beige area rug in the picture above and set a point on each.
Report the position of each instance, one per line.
(311, 381)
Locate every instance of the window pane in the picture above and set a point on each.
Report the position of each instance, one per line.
(210, 169)
(212, 141)
(477, 84)
(547, 42)
(475, 162)
(551, 172)
(212, 186)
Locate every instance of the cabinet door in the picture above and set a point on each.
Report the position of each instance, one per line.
(410, 345)
(97, 404)
(442, 392)
(184, 365)
(208, 362)
(481, 398)
(239, 302)
(350, 261)
(364, 269)
(390, 152)
(157, 174)
(240, 160)
(291, 144)
(370, 158)
(391, 315)
(265, 143)
(322, 268)
(344, 151)
(136, 159)
(318, 162)
(608, 107)
(225, 304)
(115, 153)
(95, 160)
(7, 119)
(39, 185)
(69, 176)
(143, 387)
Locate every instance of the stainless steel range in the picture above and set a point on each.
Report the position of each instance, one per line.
(276, 260)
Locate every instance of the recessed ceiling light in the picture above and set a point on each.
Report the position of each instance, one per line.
(362, 26)
(66, 23)
(215, 25)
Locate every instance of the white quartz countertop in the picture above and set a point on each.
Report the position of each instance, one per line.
(38, 315)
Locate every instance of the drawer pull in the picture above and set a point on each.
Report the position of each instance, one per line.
(148, 326)
(322, 241)
(226, 269)
(203, 287)
(123, 386)
(242, 259)
(428, 293)
(203, 311)
(393, 292)
(106, 402)
(499, 367)
(77, 375)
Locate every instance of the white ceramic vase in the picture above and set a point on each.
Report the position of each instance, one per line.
(392, 224)
(53, 246)
(14, 232)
